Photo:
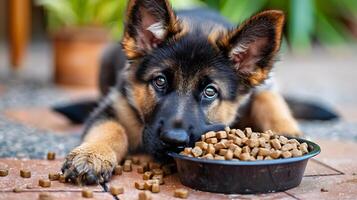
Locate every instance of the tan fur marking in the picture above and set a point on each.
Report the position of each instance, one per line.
(222, 112)
(270, 111)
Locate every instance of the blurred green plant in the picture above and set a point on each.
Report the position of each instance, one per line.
(81, 13)
(308, 21)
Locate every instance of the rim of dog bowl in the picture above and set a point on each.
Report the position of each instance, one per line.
(315, 151)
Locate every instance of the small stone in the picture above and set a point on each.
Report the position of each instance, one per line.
(210, 134)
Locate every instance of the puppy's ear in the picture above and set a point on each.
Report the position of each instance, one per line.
(148, 23)
(253, 45)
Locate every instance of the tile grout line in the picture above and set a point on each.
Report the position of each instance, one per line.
(291, 195)
(317, 175)
(325, 165)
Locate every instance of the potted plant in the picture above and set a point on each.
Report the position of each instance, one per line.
(79, 31)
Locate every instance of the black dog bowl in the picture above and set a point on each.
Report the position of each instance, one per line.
(243, 177)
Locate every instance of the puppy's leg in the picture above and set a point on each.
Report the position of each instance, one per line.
(105, 144)
(270, 111)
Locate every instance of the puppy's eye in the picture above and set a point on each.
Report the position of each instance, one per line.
(160, 82)
(210, 92)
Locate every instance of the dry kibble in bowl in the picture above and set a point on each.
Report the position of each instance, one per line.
(235, 144)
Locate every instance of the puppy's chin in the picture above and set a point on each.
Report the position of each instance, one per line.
(154, 146)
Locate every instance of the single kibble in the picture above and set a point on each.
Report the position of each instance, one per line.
(240, 134)
(283, 139)
(262, 141)
(248, 131)
(211, 149)
(303, 148)
(227, 129)
(275, 154)
(244, 140)
(232, 147)
(220, 145)
(286, 154)
(253, 143)
(135, 160)
(294, 141)
(246, 149)
(254, 135)
(53, 176)
(62, 179)
(296, 153)
(203, 137)
(229, 155)
(44, 183)
(211, 140)
(287, 147)
(270, 133)
(147, 175)
(51, 155)
(266, 136)
(127, 167)
(263, 152)
(254, 151)
(268, 158)
(196, 151)
(244, 156)
(218, 157)
(148, 184)
(139, 185)
(210, 134)
(86, 193)
(202, 145)
(25, 173)
(252, 158)
(17, 190)
(144, 195)
(260, 157)
(237, 152)
(181, 193)
(4, 172)
(276, 144)
(155, 188)
(44, 196)
(237, 141)
(187, 150)
(118, 170)
(221, 134)
(208, 156)
(222, 152)
(160, 178)
(231, 136)
(116, 190)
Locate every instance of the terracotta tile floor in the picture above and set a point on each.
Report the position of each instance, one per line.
(334, 170)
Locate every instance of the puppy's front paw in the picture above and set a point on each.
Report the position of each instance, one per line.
(89, 164)
(288, 127)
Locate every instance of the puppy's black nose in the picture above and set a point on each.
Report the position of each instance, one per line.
(175, 137)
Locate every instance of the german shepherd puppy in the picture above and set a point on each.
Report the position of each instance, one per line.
(180, 75)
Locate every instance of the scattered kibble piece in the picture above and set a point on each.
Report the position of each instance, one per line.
(127, 166)
(4, 172)
(155, 188)
(160, 178)
(118, 170)
(116, 190)
(181, 193)
(140, 169)
(62, 178)
(17, 190)
(144, 195)
(147, 175)
(29, 186)
(51, 155)
(235, 144)
(53, 176)
(44, 183)
(136, 160)
(139, 185)
(87, 193)
(44, 196)
(25, 173)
